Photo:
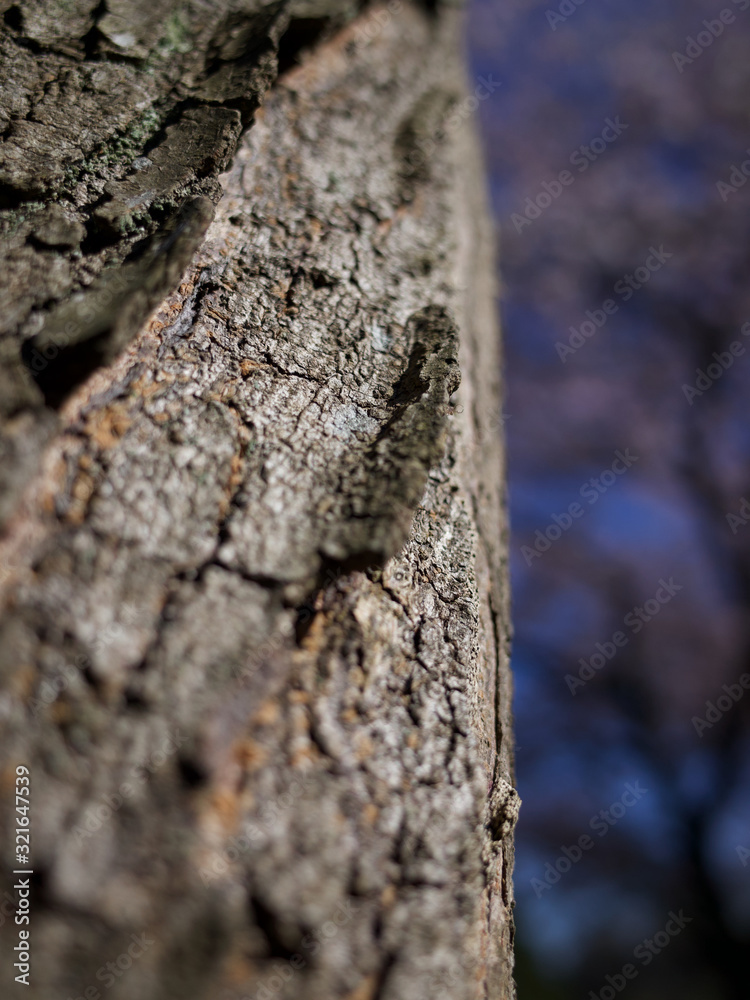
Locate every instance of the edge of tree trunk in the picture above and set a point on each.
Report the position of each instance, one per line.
(255, 633)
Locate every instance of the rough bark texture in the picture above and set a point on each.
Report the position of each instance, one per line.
(255, 626)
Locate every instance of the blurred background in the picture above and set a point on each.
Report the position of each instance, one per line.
(615, 145)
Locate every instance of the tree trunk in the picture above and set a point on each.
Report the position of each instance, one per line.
(255, 625)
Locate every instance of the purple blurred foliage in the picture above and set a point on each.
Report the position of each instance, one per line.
(647, 198)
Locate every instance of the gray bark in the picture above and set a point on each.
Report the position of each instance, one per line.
(254, 637)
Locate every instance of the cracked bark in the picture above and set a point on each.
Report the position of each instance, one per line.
(255, 624)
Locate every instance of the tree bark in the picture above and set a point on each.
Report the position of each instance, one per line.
(254, 639)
